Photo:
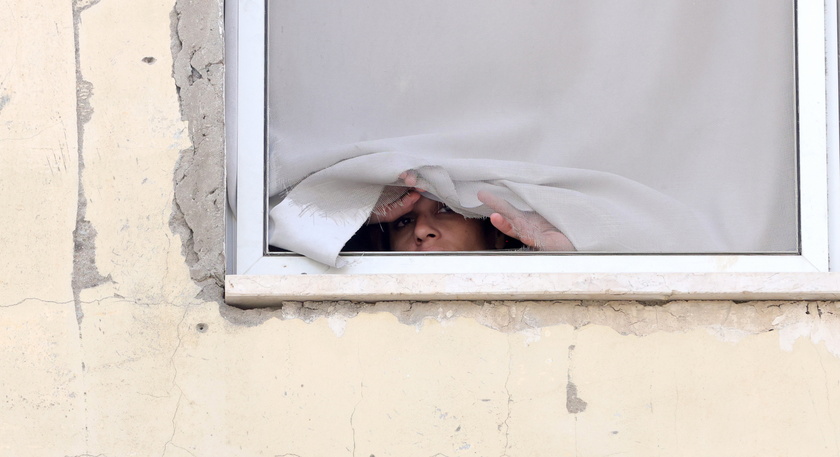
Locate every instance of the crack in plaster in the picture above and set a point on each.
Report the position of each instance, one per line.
(198, 180)
(85, 274)
(358, 402)
(172, 436)
(14, 21)
(67, 302)
(676, 415)
(509, 400)
(176, 386)
(827, 400)
(183, 449)
(353, 415)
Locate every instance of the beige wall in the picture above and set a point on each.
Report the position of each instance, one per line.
(112, 341)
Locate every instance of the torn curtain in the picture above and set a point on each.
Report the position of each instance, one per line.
(644, 126)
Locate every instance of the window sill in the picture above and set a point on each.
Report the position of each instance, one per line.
(270, 290)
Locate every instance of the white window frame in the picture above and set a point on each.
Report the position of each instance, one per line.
(819, 196)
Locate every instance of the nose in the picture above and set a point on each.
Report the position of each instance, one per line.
(425, 229)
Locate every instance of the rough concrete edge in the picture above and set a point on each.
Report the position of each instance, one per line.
(198, 204)
(728, 320)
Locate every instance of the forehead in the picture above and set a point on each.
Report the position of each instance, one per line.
(426, 203)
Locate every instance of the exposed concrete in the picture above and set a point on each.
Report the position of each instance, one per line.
(85, 273)
(625, 317)
(198, 206)
(728, 321)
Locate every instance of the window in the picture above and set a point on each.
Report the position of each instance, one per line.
(812, 106)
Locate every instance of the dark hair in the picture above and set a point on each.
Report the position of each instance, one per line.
(376, 237)
(373, 237)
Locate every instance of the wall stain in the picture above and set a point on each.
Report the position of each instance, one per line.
(85, 273)
(574, 404)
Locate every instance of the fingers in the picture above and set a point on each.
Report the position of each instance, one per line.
(500, 205)
(410, 178)
(530, 228)
(408, 200)
(557, 241)
(503, 225)
(517, 228)
(396, 209)
(507, 219)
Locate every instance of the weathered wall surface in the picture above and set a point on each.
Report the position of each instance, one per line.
(113, 341)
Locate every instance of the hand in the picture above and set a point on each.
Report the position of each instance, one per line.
(396, 209)
(403, 205)
(530, 228)
(409, 178)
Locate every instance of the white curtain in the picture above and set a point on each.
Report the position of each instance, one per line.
(631, 125)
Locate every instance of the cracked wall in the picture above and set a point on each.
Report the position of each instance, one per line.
(113, 340)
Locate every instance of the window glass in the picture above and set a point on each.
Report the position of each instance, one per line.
(652, 126)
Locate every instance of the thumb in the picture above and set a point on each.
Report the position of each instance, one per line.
(499, 205)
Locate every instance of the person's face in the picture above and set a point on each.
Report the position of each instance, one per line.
(432, 226)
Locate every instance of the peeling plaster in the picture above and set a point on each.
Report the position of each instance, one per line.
(85, 273)
(821, 325)
(625, 317)
(198, 206)
(726, 320)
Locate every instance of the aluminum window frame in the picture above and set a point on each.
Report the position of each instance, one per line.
(819, 179)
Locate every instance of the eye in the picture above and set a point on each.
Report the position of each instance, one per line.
(402, 222)
(445, 209)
